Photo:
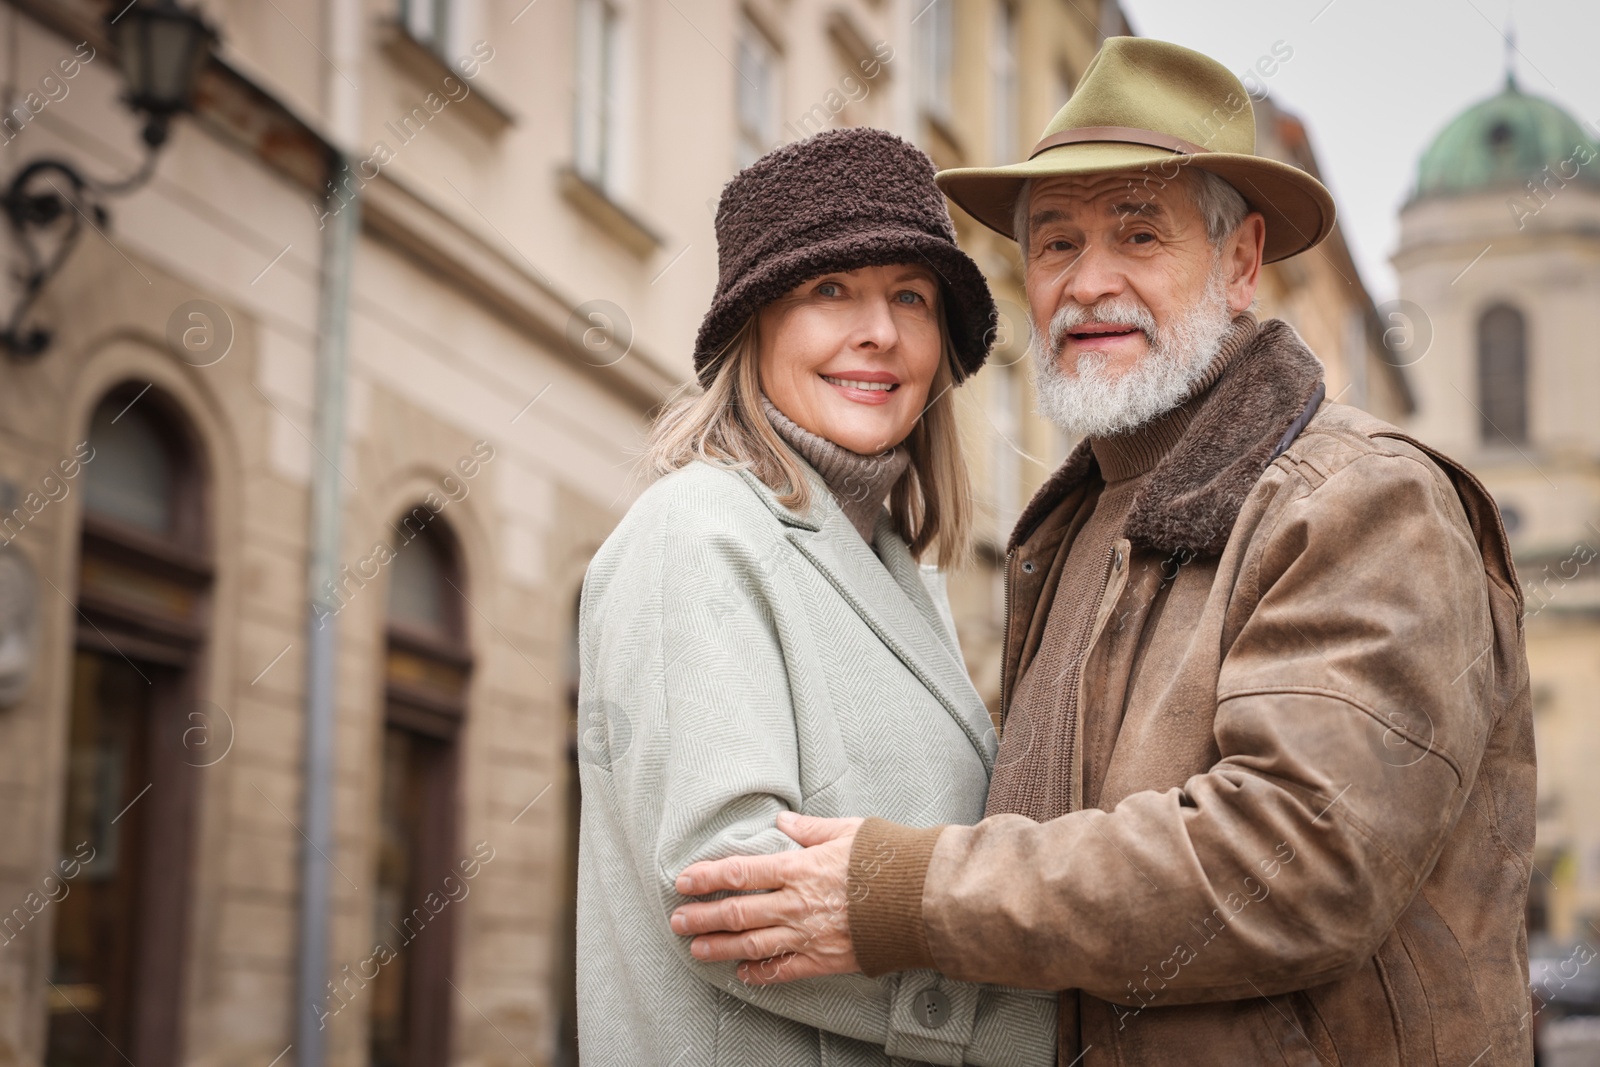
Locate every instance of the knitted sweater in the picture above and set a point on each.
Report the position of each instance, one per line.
(859, 482)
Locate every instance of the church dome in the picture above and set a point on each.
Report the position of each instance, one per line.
(1504, 141)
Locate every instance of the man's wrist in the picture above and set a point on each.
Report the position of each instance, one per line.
(888, 864)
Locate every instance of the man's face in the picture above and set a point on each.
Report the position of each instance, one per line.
(1130, 298)
(1130, 239)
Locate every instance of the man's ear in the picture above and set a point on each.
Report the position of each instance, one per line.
(1242, 261)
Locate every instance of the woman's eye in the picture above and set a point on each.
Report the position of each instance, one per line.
(828, 289)
(911, 296)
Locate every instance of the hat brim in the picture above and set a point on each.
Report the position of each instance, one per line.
(969, 308)
(1298, 209)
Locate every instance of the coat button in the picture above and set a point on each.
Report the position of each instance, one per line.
(932, 1008)
(1027, 566)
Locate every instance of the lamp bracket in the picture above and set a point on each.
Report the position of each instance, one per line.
(45, 195)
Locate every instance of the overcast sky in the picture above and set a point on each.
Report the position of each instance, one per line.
(1375, 80)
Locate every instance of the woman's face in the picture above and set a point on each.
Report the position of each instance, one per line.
(851, 356)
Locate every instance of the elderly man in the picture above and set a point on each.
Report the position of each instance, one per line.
(1265, 785)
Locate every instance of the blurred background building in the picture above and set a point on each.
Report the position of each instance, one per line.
(1499, 264)
(339, 396)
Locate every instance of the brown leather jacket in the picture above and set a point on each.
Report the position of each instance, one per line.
(1303, 785)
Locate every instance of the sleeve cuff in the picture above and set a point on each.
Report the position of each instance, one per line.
(888, 864)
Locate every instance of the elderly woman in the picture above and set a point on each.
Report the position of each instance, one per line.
(758, 635)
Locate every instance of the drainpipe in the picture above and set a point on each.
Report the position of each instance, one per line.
(327, 500)
(340, 230)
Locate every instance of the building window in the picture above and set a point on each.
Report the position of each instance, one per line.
(426, 668)
(445, 27)
(756, 89)
(935, 29)
(594, 148)
(136, 740)
(1503, 375)
(1004, 67)
(427, 21)
(134, 484)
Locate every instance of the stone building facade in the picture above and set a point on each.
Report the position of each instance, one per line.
(531, 249)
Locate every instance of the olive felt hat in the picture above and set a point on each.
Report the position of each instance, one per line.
(841, 200)
(1153, 107)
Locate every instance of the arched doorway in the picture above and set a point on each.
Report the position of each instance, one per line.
(115, 984)
(426, 668)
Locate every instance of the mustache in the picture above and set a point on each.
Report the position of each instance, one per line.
(1120, 311)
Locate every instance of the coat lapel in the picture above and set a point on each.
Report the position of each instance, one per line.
(890, 597)
(892, 600)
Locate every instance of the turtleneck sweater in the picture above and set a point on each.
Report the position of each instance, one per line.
(859, 483)
(1032, 774)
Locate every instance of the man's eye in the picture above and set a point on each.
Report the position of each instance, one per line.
(1142, 238)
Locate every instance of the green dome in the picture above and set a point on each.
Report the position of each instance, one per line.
(1503, 142)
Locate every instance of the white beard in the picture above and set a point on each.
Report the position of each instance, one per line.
(1092, 403)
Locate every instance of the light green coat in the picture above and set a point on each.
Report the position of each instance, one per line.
(737, 660)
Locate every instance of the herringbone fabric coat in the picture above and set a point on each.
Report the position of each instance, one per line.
(739, 659)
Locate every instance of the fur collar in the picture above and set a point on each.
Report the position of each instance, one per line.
(1189, 502)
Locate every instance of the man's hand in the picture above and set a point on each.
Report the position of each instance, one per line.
(799, 930)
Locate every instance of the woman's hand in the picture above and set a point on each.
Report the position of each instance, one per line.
(801, 929)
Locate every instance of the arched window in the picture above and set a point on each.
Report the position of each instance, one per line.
(426, 668)
(136, 738)
(1503, 375)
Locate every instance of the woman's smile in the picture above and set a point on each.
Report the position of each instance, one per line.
(864, 387)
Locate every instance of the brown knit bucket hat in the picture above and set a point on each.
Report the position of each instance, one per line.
(841, 200)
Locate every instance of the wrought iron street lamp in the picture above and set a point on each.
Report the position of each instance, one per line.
(161, 48)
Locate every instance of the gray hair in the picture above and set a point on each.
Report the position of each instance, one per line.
(1219, 202)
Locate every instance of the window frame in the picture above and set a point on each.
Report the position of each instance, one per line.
(1005, 68)
(1498, 423)
(934, 32)
(454, 24)
(597, 93)
(750, 143)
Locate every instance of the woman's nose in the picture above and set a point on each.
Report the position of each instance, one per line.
(875, 325)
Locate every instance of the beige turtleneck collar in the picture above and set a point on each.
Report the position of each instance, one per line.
(859, 483)
(1126, 455)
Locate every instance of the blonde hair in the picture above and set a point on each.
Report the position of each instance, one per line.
(724, 424)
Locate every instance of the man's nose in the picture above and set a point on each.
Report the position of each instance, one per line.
(1093, 276)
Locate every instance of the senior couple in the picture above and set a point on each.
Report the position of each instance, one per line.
(1263, 789)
